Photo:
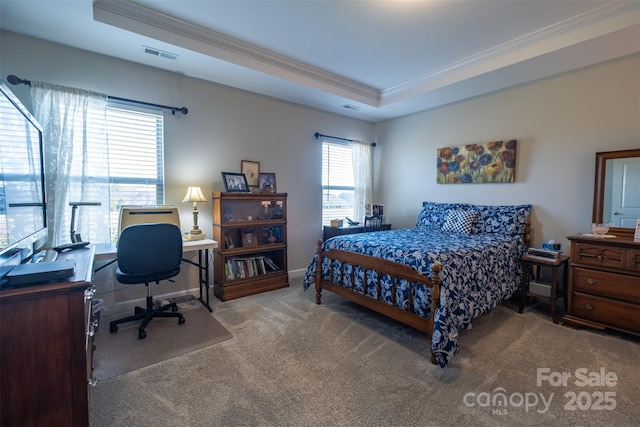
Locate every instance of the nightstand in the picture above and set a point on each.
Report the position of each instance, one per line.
(534, 286)
(328, 231)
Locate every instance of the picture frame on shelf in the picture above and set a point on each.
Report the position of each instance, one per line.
(251, 171)
(249, 238)
(235, 182)
(228, 241)
(267, 182)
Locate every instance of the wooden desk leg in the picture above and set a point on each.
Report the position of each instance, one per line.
(554, 287)
(565, 282)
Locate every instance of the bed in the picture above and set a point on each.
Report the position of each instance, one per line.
(457, 263)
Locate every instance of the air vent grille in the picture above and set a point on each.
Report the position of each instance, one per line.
(160, 53)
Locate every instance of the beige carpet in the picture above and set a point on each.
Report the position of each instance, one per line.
(294, 363)
(123, 352)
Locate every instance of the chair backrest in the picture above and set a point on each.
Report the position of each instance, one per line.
(373, 223)
(130, 215)
(145, 249)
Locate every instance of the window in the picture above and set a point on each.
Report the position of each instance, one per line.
(338, 187)
(136, 160)
(125, 168)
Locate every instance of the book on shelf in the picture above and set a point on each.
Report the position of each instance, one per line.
(245, 267)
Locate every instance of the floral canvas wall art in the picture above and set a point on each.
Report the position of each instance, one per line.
(493, 161)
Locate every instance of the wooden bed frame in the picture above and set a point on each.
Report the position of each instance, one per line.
(394, 270)
(381, 266)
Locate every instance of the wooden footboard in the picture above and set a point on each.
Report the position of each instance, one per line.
(381, 266)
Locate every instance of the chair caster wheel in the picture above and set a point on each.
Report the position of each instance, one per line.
(174, 308)
(113, 328)
(142, 334)
(181, 320)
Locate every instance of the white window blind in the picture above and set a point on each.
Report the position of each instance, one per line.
(337, 182)
(136, 159)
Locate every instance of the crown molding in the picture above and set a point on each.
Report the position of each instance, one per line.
(143, 20)
(581, 28)
(134, 17)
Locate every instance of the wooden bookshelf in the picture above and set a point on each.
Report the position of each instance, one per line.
(252, 254)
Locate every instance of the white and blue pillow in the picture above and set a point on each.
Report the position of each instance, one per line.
(459, 221)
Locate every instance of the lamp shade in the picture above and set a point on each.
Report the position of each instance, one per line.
(194, 194)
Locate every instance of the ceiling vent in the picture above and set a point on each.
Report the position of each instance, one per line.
(160, 53)
(350, 107)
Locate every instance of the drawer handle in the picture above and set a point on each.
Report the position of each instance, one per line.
(588, 307)
(600, 258)
(591, 282)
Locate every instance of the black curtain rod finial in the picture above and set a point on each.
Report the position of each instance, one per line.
(15, 80)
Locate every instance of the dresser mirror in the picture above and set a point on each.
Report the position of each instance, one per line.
(614, 170)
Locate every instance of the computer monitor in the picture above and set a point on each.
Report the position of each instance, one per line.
(23, 218)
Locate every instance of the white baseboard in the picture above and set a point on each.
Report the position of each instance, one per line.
(123, 308)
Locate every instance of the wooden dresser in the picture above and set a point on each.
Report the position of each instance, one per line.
(604, 283)
(46, 354)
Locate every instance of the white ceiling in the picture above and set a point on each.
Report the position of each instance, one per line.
(382, 58)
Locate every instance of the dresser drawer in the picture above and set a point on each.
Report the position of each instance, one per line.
(599, 255)
(612, 285)
(634, 260)
(616, 313)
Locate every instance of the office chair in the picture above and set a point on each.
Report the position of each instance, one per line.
(373, 223)
(148, 253)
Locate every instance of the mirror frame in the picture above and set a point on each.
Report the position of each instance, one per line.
(598, 190)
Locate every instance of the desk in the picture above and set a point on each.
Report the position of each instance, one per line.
(106, 252)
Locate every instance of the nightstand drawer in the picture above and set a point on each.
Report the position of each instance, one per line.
(607, 284)
(615, 313)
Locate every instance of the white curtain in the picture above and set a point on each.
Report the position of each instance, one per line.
(362, 177)
(76, 160)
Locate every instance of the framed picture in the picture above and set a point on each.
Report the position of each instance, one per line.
(228, 241)
(249, 238)
(493, 161)
(251, 171)
(267, 182)
(235, 182)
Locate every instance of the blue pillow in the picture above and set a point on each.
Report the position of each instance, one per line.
(508, 219)
(434, 214)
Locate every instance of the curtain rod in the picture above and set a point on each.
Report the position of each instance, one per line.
(319, 135)
(15, 80)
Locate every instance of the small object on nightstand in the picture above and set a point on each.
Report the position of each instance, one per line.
(351, 222)
(551, 246)
(533, 287)
(336, 223)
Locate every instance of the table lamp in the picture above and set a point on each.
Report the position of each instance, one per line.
(194, 194)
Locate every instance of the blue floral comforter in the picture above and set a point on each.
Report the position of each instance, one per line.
(478, 272)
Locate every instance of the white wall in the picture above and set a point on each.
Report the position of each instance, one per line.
(224, 126)
(560, 123)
